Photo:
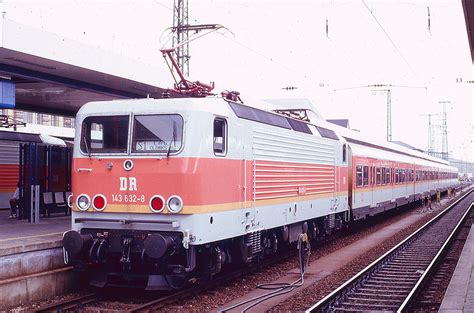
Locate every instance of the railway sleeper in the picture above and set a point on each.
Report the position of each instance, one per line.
(388, 282)
(384, 287)
(364, 295)
(396, 271)
(379, 290)
(371, 301)
(346, 306)
(401, 267)
(421, 263)
(382, 277)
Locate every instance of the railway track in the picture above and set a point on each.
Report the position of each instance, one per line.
(81, 302)
(69, 304)
(94, 301)
(392, 282)
(432, 291)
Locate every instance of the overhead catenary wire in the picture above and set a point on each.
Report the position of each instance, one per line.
(390, 38)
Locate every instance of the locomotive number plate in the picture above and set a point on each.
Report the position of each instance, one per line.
(128, 198)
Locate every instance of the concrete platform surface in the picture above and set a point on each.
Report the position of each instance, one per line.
(18, 236)
(459, 296)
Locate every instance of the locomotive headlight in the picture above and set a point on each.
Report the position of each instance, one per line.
(175, 204)
(83, 202)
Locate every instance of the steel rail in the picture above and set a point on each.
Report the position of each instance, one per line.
(162, 300)
(339, 292)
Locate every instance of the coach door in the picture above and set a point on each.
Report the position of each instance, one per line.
(372, 187)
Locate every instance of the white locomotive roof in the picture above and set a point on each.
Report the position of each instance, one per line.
(215, 105)
(296, 104)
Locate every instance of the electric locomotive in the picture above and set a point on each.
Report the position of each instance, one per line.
(175, 188)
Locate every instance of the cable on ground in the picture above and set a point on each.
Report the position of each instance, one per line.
(277, 289)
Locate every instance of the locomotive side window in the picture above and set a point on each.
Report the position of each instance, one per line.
(157, 133)
(359, 176)
(104, 134)
(220, 136)
(344, 152)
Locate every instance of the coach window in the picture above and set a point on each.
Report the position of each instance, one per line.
(366, 175)
(387, 175)
(378, 176)
(358, 176)
(220, 137)
(344, 153)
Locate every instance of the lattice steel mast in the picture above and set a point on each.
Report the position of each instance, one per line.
(181, 34)
(444, 127)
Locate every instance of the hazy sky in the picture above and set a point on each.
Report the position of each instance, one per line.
(284, 43)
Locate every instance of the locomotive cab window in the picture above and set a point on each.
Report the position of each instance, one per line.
(220, 137)
(161, 133)
(104, 134)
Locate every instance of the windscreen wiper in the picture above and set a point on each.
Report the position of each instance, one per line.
(173, 140)
(85, 145)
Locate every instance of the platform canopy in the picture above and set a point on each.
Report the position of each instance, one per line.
(54, 74)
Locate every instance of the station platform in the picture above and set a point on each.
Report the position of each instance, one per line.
(12, 230)
(459, 296)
